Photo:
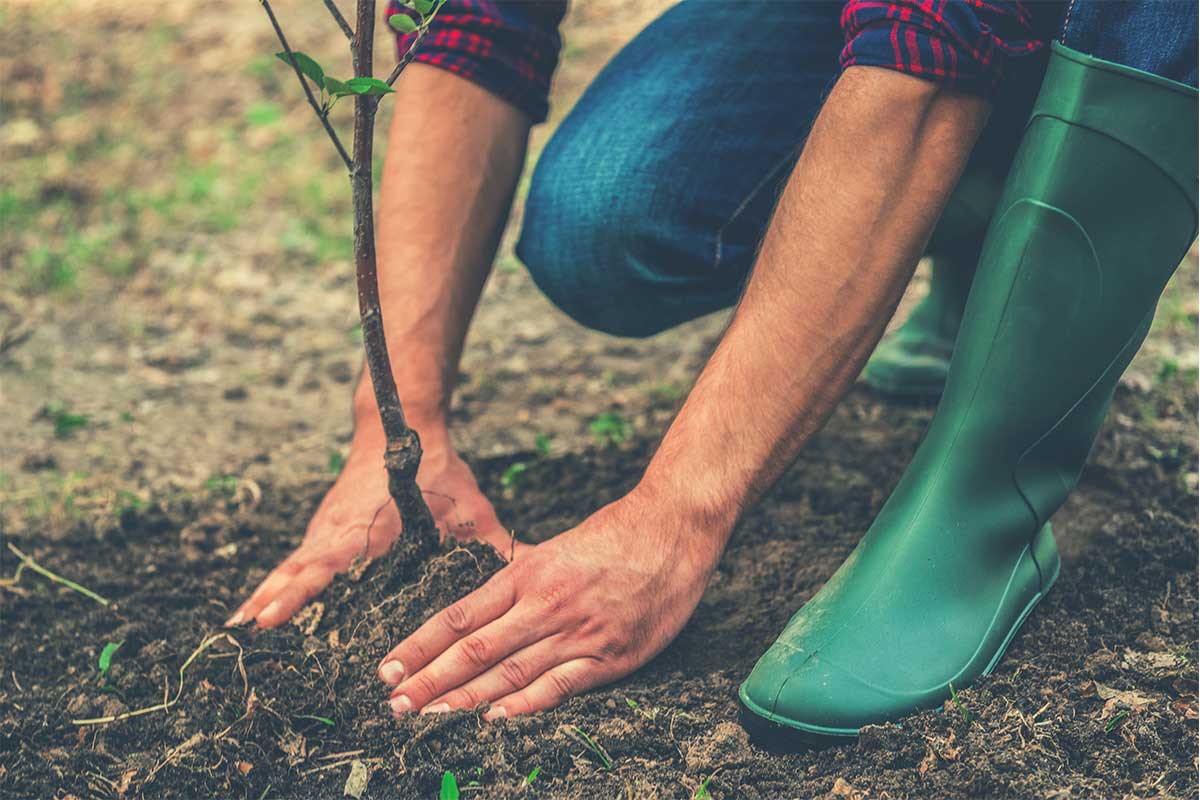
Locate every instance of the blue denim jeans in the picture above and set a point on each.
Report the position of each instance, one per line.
(649, 202)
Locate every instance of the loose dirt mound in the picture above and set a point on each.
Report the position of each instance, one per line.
(1096, 697)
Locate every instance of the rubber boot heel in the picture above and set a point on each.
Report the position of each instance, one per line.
(1045, 563)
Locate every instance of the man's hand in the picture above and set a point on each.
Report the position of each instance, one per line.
(358, 518)
(582, 609)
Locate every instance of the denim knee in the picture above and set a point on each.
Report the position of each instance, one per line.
(582, 232)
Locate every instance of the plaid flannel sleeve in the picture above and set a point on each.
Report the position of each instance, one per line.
(962, 44)
(509, 47)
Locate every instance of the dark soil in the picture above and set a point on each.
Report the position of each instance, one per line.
(1096, 697)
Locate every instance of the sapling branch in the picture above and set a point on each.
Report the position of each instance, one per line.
(339, 19)
(322, 113)
(408, 56)
(402, 455)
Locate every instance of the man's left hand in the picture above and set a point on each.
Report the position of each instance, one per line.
(580, 610)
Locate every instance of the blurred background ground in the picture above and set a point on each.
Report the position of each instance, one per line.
(176, 303)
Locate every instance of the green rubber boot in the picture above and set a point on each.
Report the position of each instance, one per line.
(1098, 210)
(913, 360)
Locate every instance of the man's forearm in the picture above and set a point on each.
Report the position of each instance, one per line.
(453, 158)
(853, 220)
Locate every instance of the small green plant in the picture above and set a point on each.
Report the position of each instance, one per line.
(336, 461)
(128, 501)
(222, 484)
(449, 787)
(315, 718)
(542, 443)
(702, 792)
(510, 476)
(1112, 723)
(610, 428)
(962, 709)
(532, 776)
(106, 657)
(667, 392)
(597, 750)
(65, 421)
(1168, 370)
(648, 713)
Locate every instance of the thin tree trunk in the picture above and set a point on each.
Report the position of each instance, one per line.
(403, 453)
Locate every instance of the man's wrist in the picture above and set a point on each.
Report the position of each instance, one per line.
(705, 521)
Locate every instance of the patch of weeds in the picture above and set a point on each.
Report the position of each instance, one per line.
(667, 392)
(513, 474)
(128, 501)
(47, 271)
(125, 416)
(597, 750)
(1112, 723)
(449, 787)
(222, 484)
(260, 115)
(1168, 370)
(610, 429)
(509, 265)
(532, 776)
(541, 443)
(336, 461)
(962, 709)
(65, 421)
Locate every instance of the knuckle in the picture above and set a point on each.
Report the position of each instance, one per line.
(411, 654)
(456, 618)
(464, 697)
(476, 651)
(562, 685)
(424, 685)
(554, 597)
(515, 673)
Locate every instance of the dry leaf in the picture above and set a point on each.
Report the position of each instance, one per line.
(244, 767)
(309, 618)
(1116, 699)
(842, 788)
(356, 783)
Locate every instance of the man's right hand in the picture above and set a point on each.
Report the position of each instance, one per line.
(357, 517)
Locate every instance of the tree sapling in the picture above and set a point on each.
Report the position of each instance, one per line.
(402, 454)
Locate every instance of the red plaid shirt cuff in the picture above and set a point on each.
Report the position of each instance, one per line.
(508, 47)
(962, 44)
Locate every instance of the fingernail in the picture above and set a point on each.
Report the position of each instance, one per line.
(494, 713)
(392, 672)
(436, 708)
(236, 619)
(269, 611)
(400, 704)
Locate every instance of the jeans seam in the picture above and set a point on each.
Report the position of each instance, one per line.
(1066, 21)
(720, 239)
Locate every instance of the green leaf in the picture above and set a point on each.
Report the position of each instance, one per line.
(368, 86)
(422, 7)
(315, 718)
(513, 474)
(307, 65)
(532, 776)
(449, 787)
(106, 656)
(542, 443)
(335, 87)
(403, 23)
